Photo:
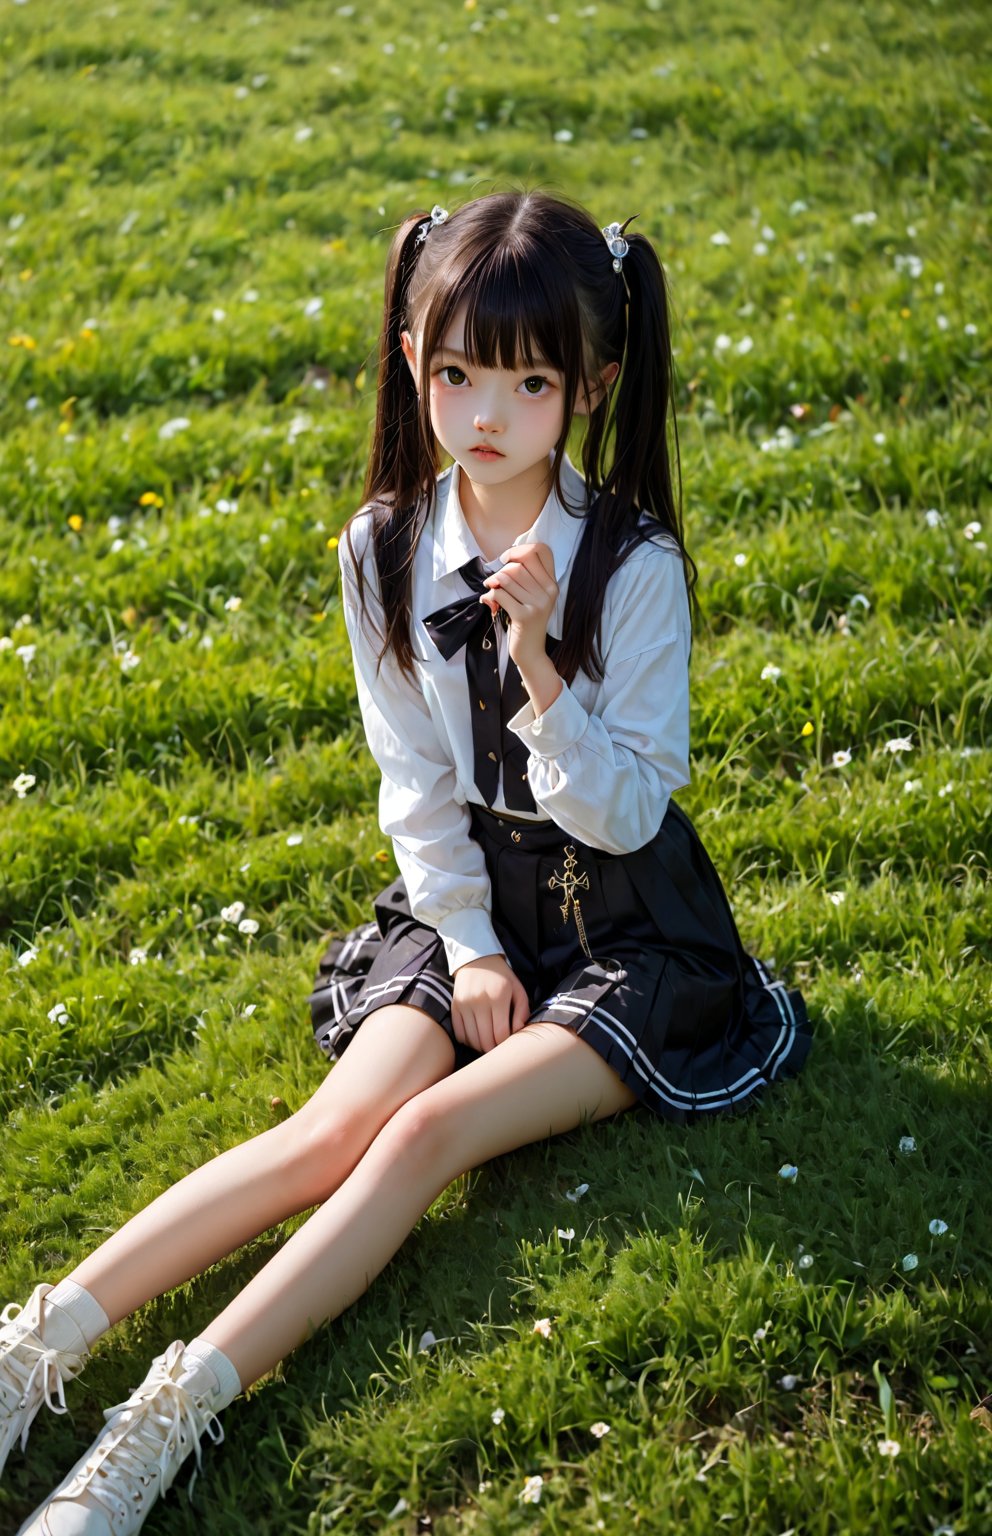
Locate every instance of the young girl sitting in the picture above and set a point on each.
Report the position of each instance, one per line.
(558, 947)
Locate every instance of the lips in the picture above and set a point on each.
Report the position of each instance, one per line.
(486, 453)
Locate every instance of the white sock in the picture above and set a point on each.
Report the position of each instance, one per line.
(207, 1370)
(79, 1305)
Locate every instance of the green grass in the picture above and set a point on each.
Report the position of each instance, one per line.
(153, 178)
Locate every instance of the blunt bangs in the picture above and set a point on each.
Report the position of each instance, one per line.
(521, 310)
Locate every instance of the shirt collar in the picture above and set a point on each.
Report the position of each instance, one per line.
(556, 525)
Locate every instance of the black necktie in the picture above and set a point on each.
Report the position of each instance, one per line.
(469, 623)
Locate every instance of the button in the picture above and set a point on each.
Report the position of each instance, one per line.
(516, 836)
(491, 756)
(481, 705)
(487, 645)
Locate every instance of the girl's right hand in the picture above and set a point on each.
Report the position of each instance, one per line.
(489, 1002)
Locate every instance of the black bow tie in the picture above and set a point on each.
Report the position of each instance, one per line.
(469, 623)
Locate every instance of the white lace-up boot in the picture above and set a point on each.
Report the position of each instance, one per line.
(34, 1369)
(111, 1489)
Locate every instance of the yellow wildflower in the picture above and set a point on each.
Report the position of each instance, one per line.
(332, 542)
(807, 729)
(75, 522)
(19, 339)
(150, 499)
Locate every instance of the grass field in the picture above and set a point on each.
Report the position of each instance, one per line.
(195, 207)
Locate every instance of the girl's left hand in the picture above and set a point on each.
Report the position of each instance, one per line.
(526, 589)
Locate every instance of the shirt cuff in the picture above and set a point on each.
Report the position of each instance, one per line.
(468, 934)
(563, 723)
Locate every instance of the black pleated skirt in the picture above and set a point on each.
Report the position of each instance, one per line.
(670, 999)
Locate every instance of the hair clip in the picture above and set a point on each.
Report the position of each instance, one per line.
(438, 216)
(618, 247)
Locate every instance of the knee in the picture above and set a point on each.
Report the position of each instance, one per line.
(318, 1155)
(423, 1136)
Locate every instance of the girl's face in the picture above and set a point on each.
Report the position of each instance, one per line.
(497, 424)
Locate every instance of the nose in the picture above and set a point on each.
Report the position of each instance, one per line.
(487, 415)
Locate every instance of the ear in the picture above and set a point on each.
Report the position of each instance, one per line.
(410, 353)
(599, 389)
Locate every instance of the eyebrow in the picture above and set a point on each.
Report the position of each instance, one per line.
(539, 362)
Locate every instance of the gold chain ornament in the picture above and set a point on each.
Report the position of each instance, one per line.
(570, 882)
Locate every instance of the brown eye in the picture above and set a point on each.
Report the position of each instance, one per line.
(450, 369)
(537, 379)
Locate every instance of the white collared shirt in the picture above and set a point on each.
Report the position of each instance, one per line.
(604, 757)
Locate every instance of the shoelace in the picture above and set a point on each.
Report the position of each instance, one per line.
(147, 1439)
(20, 1333)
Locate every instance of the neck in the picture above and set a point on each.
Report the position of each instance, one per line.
(498, 514)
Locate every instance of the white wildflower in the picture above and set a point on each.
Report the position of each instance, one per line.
(233, 604)
(566, 1233)
(972, 529)
(138, 957)
(531, 1493)
(57, 1014)
(907, 1143)
(745, 344)
(889, 1447)
(842, 758)
(837, 897)
(933, 517)
(770, 673)
(427, 1341)
(543, 1327)
(247, 925)
(740, 559)
(937, 1227)
(720, 238)
(498, 1415)
(909, 1262)
(564, 136)
(599, 1429)
(294, 839)
(805, 1261)
(231, 914)
(788, 1171)
(22, 784)
(577, 1192)
(899, 744)
(788, 1383)
(27, 955)
(170, 428)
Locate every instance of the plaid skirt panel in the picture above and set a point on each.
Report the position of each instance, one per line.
(671, 1000)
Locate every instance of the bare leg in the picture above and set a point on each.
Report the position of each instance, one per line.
(541, 1081)
(397, 1052)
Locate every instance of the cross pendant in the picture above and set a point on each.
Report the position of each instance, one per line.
(570, 882)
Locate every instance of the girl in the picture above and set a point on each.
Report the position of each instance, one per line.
(558, 947)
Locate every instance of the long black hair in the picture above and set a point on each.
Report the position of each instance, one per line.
(538, 280)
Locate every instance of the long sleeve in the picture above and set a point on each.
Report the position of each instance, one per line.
(442, 866)
(606, 775)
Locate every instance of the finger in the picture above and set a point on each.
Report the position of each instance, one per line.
(542, 552)
(520, 1007)
(524, 588)
(471, 1027)
(502, 1026)
(530, 575)
(487, 1031)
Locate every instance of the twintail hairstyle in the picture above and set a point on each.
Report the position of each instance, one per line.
(537, 279)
